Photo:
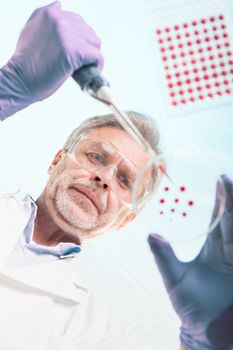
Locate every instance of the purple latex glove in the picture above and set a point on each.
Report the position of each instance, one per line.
(201, 291)
(52, 45)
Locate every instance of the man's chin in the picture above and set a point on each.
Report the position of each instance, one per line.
(85, 225)
(77, 216)
(77, 221)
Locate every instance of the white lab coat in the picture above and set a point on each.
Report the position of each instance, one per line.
(45, 306)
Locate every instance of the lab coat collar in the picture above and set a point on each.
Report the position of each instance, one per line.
(57, 277)
(14, 215)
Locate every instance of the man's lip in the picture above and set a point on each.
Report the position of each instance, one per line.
(89, 195)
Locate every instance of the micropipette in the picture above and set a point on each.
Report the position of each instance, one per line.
(89, 79)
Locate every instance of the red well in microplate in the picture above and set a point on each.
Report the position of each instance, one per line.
(198, 56)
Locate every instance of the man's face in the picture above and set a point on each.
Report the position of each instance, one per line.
(82, 203)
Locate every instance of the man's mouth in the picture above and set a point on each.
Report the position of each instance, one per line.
(90, 196)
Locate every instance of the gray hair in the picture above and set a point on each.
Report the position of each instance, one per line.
(143, 122)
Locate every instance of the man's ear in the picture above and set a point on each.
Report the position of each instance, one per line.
(56, 159)
(127, 219)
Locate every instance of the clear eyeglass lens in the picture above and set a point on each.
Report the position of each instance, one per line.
(103, 160)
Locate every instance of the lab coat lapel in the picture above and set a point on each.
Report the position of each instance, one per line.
(57, 277)
(14, 215)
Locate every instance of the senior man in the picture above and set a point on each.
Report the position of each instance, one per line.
(88, 192)
(44, 305)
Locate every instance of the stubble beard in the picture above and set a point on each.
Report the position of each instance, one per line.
(74, 214)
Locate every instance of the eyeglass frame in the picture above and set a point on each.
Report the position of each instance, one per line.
(132, 206)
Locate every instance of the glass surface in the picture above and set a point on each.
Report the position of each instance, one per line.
(182, 207)
(113, 170)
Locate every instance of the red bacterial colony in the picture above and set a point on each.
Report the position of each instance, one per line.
(167, 202)
(194, 54)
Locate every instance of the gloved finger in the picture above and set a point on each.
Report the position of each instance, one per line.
(226, 226)
(171, 269)
(80, 31)
(226, 223)
(228, 184)
(76, 18)
(218, 246)
(92, 56)
(53, 5)
(91, 38)
(219, 200)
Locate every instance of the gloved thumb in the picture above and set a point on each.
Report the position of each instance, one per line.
(226, 223)
(218, 248)
(224, 201)
(171, 269)
(220, 198)
(53, 5)
(56, 4)
(228, 184)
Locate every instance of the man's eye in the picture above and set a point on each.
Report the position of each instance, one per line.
(124, 181)
(95, 158)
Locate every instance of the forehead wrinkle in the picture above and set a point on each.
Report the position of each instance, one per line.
(107, 149)
(124, 144)
(133, 153)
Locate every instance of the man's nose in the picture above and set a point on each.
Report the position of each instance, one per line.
(105, 176)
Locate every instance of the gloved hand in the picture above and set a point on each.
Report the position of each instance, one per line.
(52, 45)
(201, 291)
